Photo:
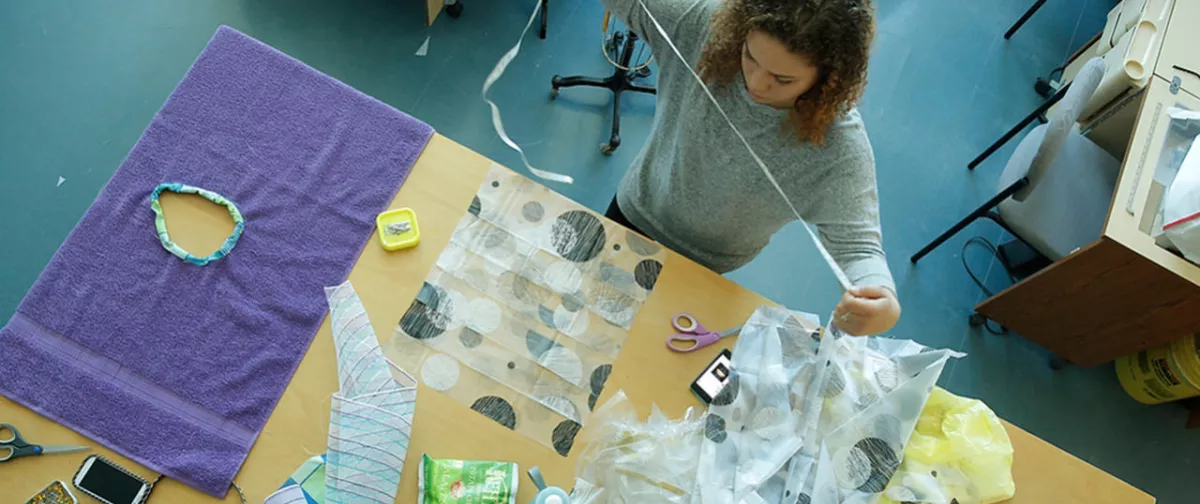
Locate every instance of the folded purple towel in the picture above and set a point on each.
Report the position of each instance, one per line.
(178, 366)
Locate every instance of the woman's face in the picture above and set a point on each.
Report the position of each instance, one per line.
(774, 76)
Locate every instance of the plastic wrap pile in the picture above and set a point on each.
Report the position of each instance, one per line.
(805, 419)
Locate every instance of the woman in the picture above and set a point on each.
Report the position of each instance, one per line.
(787, 73)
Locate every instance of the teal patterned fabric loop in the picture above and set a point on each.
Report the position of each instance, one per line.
(160, 222)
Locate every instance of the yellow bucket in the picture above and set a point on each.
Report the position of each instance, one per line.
(1164, 374)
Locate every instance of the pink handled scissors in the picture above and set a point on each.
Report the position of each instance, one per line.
(693, 335)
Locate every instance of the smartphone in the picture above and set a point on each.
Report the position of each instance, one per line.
(714, 378)
(110, 483)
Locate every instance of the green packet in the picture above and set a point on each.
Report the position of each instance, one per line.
(466, 482)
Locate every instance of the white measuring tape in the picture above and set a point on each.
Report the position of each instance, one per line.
(499, 124)
(556, 177)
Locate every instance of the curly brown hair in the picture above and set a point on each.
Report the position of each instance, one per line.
(835, 34)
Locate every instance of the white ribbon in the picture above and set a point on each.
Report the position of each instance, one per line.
(499, 124)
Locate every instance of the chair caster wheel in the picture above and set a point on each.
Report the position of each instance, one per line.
(607, 149)
(454, 10)
(1058, 363)
(976, 320)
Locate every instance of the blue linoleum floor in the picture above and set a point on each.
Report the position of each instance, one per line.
(80, 80)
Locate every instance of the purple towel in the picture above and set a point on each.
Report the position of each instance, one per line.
(179, 366)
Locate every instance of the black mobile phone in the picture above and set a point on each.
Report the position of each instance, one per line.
(714, 377)
(110, 483)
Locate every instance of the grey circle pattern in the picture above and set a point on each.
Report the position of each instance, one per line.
(884, 463)
(729, 392)
(533, 211)
(572, 302)
(497, 409)
(525, 290)
(564, 436)
(537, 344)
(714, 428)
(600, 377)
(866, 401)
(577, 236)
(422, 320)
(646, 273)
(494, 237)
(546, 315)
(836, 381)
(615, 276)
(888, 378)
(469, 338)
(641, 245)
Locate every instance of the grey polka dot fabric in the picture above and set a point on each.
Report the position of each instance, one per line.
(527, 308)
(810, 418)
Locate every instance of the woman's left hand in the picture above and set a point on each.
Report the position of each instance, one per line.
(866, 310)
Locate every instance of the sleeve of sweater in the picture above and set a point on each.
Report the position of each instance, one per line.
(667, 12)
(846, 212)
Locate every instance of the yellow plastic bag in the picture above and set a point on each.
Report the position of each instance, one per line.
(958, 452)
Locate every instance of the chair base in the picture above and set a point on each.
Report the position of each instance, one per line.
(1024, 17)
(619, 82)
(984, 210)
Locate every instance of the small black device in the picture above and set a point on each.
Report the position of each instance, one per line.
(714, 378)
(110, 483)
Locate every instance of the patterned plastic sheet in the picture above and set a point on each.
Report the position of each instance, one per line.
(807, 417)
(371, 415)
(527, 308)
(811, 419)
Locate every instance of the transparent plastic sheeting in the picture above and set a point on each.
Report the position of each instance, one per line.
(804, 419)
(371, 415)
(527, 308)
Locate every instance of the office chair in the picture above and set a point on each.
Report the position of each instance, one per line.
(620, 81)
(1024, 17)
(1055, 190)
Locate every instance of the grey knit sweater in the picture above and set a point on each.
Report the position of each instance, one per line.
(695, 188)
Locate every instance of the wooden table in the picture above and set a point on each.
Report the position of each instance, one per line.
(1122, 293)
(440, 189)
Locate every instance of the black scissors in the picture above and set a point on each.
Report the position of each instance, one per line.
(14, 446)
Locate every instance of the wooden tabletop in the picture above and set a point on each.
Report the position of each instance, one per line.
(439, 190)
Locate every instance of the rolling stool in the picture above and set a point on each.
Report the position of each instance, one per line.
(620, 81)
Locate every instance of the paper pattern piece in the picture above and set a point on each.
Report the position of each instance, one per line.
(371, 415)
(305, 486)
(60, 181)
(424, 49)
(812, 419)
(527, 308)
